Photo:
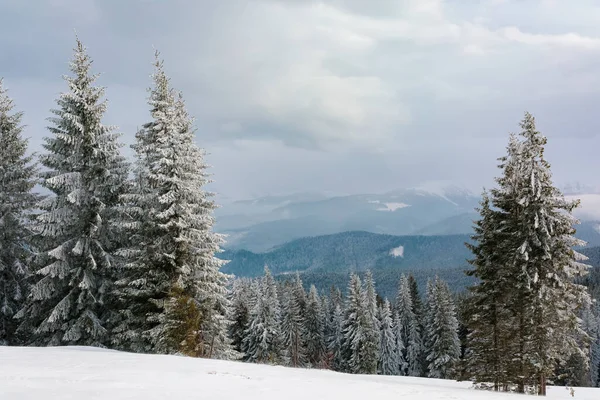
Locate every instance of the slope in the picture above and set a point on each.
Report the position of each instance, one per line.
(74, 373)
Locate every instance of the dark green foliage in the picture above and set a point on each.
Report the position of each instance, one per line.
(352, 251)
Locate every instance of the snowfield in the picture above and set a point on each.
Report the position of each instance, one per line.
(63, 373)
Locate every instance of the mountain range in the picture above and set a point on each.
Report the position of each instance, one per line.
(328, 260)
(262, 224)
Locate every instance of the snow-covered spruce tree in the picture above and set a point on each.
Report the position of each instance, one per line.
(17, 179)
(336, 340)
(398, 332)
(262, 343)
(389, 362)
(544, 298)
(173, 247)
(327, 329)
(591, 324)
(314, 329)
(85, 173)
(353, 328)
(442, 329)
(370, 349)
(417, 307)
(254, 292)
(329, 306)
(489, 327)
(292, 324)
(239, 312)
(407, 329)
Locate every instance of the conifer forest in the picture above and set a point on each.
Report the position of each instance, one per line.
(100, 249)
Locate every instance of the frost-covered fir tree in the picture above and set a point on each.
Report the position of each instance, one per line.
(353, 327)
(85, 173)
(489, 318)
(172, 245)
(314, 329)
(389, 361)
(239, 312)
(293, 304)
(327, 329)
(442, 330)
(407, 329)
(595, 348)
(536, 250)
(336, 339)
(262, 342)
(370, 349)
(417, 307)
(17, 179)
(398, 332)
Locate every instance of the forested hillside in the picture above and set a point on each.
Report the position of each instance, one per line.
(353, 251)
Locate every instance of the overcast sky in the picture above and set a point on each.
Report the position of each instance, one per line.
(345, 96)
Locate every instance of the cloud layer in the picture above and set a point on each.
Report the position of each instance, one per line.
(346, 95)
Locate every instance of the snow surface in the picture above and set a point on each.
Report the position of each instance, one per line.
(64, 373)
(392, 206)
(389, 206)
(397, 251)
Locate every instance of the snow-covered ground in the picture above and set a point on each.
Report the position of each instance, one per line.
(64, 373)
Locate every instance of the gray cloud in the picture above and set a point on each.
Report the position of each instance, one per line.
(340, 95)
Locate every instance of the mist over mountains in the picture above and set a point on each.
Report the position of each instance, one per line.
(264, 223)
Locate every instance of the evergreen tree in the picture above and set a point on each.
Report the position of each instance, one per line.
(370, 348)
(442, 329)
(417, 307)
(353, 328)
(537, 253)
(400, 347)
(292, 327)
(389, 362)
(85, 173)
(336, 339)
(240, 312)
(315, 339)
(591, 325)
(408, 330)
(172, 244)
(262, 343)
(488, 324)
(17, 179)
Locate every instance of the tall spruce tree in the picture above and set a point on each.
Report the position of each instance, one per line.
(488, 340)
(17, 179)
(314, 329)
(533, 246)
(336, 340)
(239, 312)
(442, 330)
(353, 328)
(389, 361)
(408, 330)
(370, 349)
(85, 173)
(417, 307)
(172, 251)
(293, 305)
(262, 342)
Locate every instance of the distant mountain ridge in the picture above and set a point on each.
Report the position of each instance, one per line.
(352, 251)
(262, 224)
(328, 260)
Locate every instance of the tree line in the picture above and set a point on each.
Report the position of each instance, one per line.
(280, 322)
(122, 255)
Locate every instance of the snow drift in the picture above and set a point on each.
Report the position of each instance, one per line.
(64, 373)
